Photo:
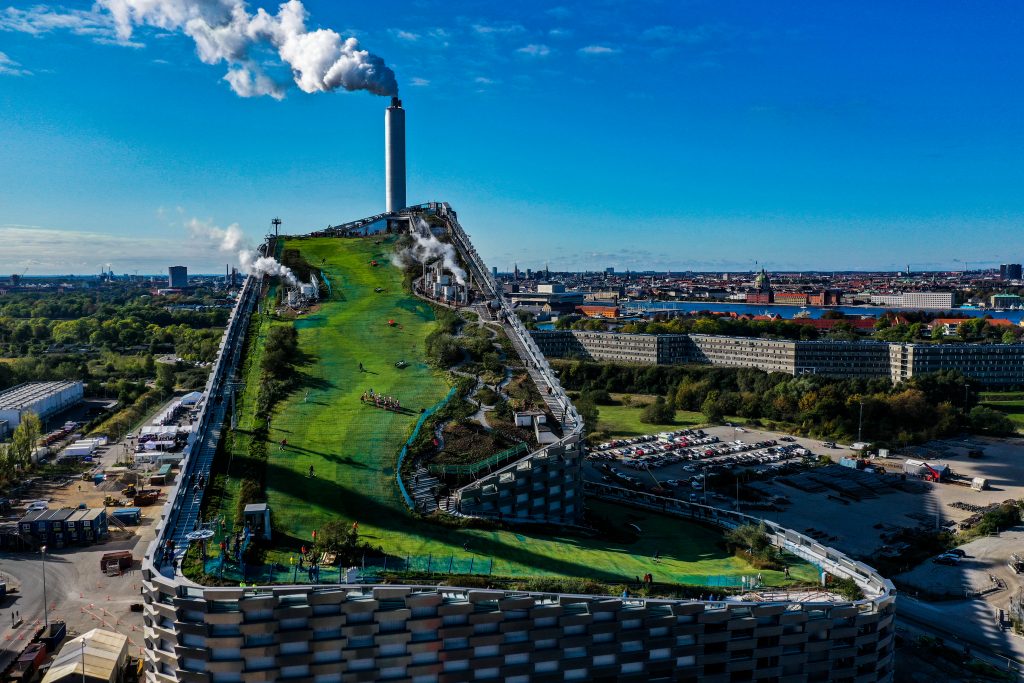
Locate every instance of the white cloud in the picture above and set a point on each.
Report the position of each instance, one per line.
(483, 80)
(41, 19)
(406, 36)
(9, 67)
(502, 29)
(535, 50)
(559, 12)
(419, 82)
(45, 251)
(560, 32)
(598, 50)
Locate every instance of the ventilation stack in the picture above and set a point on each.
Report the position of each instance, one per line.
(394, 156)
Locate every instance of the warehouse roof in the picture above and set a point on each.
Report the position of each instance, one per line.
(105, 652)
(26, 395)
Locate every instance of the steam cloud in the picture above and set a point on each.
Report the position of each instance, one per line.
(231, 240)
(427, 248)
(224, 31)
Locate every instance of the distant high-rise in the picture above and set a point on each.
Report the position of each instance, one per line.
(1010, 271)
(394, 156)
(494, 271)
(610, 270)
(177, 277)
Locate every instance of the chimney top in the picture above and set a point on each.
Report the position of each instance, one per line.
(395, 102)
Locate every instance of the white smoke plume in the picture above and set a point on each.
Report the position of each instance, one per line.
(427, 248)
(231, 240)
(252, 262)
(224, 31)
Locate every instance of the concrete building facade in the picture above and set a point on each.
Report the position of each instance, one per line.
(944, 300)
(989, 364)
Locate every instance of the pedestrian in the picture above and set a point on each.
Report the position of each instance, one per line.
(310, 471)
(637, 580)
(625, 593)
(657, 554)
(465, 546)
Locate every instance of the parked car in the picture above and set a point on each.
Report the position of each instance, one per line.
(37, 505)
(947, 559)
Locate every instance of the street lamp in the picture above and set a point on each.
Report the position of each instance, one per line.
(42, 554)
(860, 421)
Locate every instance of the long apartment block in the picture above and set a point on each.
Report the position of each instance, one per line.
(989, 364)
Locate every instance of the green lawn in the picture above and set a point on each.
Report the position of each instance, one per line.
(624, 420)
(353, 448)
(1014, 410)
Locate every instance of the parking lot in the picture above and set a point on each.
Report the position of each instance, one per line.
(856, 511)
(678, 463)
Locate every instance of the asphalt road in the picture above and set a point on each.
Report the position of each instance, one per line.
(27, 570)
(968, 623)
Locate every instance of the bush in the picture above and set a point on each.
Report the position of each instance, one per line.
(658, 413)
(986, 420)
(752, 543)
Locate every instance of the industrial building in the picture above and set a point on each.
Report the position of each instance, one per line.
(417, 633)
(943, 300)
(42, 398)
(345, 632)
(177, 277)
(989, 364)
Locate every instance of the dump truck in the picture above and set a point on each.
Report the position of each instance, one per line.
(145, 497)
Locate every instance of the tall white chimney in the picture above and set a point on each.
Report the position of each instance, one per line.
(394, 156)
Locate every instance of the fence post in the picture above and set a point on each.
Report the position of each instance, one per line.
(471, 561)
(451, 561)
(430, 558)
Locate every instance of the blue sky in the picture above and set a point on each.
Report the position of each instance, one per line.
(640, 134)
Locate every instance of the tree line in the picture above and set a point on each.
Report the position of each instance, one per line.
(921, 408)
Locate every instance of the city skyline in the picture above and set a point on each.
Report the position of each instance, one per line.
(817, 136)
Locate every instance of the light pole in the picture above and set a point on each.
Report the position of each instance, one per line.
(83, 659)
(860, 421)
(42, 554)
